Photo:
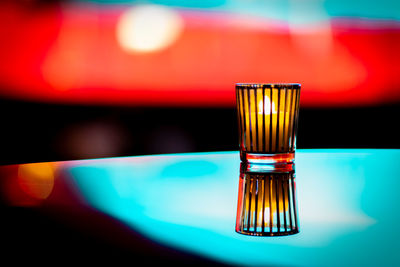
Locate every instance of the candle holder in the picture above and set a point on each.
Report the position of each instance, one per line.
(267, 118)
(267, 202)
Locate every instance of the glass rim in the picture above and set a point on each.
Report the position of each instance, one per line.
(268, 85)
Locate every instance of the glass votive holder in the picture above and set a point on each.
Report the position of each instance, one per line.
(267, 202)
(267, 117)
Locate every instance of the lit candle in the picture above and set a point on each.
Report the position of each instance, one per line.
(267, 116)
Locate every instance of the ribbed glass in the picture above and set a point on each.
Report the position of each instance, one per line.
(267, 118)
(267, 202)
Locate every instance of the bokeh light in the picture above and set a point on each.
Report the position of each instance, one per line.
(36, 180)
(92, 139)
(148, 28)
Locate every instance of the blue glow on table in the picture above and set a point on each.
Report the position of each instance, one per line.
(347, 199)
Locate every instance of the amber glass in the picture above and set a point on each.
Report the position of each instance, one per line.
(267, 117)
(267, 202)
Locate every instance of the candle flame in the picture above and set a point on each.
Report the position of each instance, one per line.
(266, 105)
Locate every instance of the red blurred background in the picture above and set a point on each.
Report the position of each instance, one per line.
(82, 79)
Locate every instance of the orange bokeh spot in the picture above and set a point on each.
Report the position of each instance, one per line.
(36, 180)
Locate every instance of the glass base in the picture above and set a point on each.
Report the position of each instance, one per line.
(266, 233)
(259, 158)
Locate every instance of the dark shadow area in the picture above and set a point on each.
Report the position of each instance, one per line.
(41, 236)
(33, 132)
(362, 127)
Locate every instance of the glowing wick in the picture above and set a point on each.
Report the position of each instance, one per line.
(267, 107)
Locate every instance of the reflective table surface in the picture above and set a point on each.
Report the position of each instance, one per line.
(348, 208)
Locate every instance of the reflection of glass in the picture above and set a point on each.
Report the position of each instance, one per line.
(267, 201)
(267, 117)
